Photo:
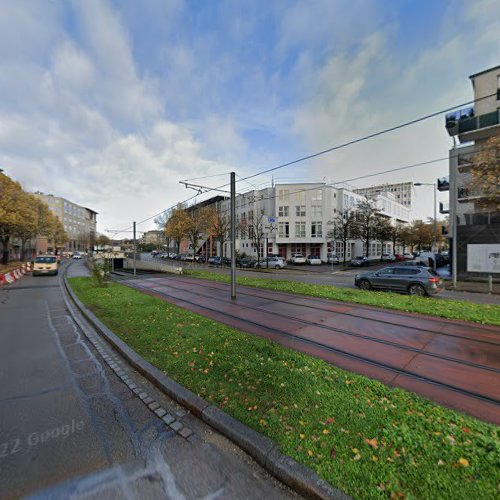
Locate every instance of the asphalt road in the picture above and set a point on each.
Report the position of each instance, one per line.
(325, 275)
(69, 425)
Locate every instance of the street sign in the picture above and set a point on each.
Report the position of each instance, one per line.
(272, 220)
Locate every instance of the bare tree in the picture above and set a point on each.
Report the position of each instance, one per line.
(382, 232)
(366, 219)
(256, 231)
(344, 228)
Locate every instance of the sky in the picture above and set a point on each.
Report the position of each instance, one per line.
(110, 103)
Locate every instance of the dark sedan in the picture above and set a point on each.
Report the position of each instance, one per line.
(359, 262)
(419, 281)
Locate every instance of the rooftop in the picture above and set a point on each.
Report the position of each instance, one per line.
(484, 71)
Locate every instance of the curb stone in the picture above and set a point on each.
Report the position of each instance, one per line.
(261, 448)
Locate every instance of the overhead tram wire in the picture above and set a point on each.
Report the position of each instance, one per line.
(406, 167)
(332, 184)
(340, 146)
(363, 138)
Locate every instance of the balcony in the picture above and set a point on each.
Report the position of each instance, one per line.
(469, 127)
(464, 195)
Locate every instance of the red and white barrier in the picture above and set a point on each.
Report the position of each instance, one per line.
(11, 276)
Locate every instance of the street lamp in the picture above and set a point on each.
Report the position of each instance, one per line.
(434, 244)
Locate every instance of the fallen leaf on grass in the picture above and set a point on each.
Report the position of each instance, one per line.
(463, 462)
(372, 442)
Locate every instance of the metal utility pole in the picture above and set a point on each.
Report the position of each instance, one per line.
(233, 235)
(435, 242)
(135, 249)
(453, 214)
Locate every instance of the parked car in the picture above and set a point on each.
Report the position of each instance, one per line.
(313, 260)
(77, 255)
(298, 258)
(359, 262)
(200, 259)
(45, 264)
(387, 257)
(331, 258)
(215, 260)
(247, 262)
(408, 256)
(417, 280)
(274, 263)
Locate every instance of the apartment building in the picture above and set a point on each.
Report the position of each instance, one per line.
(297, 218)
(154, 237)
(474, 226)
(79, 223)
(402, 192)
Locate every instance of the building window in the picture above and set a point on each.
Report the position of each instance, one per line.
(283, 195)
(283, 211)
(283, 229)
(317, 195)
(317, 211)
(300, 229)
(299, 248)
(316, 230)
(300, 210)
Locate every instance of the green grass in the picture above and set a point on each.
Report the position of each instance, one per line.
(488, 314)
(361, 436)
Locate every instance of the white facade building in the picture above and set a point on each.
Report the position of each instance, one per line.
(302, 216)
(402, 192)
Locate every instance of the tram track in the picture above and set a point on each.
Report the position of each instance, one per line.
(231, 318)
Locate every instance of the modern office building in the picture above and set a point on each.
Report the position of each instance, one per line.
(402, 192)
(298, 218)
(79, 223)
(474, 224)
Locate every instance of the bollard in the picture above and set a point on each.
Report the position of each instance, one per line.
(490, 284)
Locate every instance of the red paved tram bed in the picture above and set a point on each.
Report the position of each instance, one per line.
(453, 363)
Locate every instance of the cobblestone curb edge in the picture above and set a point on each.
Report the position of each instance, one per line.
(262, 449)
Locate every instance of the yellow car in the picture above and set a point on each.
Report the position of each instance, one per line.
(45, 264)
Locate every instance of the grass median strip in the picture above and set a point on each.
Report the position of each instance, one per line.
(361, 436)
(487, 314)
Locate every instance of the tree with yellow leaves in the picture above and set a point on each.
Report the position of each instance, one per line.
(485, 174)
(14, 212)
(176, 225)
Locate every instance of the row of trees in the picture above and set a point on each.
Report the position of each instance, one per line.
(361, 223)
(193, 224)
(23, 216)
(364, 223)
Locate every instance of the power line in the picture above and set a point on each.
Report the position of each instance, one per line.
(363, 138)
(335, 148)
(303, 190)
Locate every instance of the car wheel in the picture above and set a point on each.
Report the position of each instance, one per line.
(365, 285)
(276, 267)
(418, 290)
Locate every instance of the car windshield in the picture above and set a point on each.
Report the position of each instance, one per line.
(45, 260)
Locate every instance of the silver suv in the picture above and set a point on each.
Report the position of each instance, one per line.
(274, 263)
